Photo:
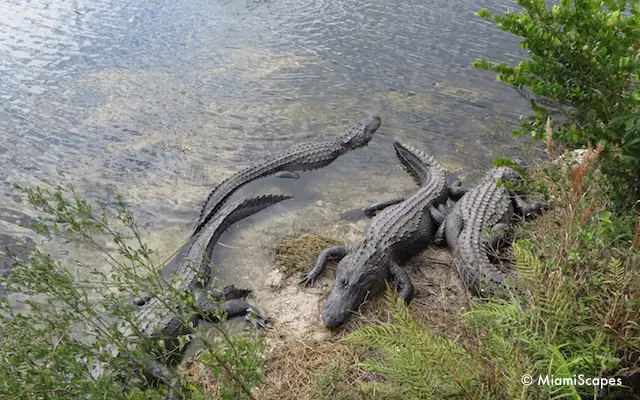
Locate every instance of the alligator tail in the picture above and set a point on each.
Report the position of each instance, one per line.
(249, 206)
(419, 164)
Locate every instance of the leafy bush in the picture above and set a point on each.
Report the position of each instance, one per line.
(584, 63)
(73, 316)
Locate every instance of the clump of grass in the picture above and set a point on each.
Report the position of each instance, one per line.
(295, 254)
(311, 369)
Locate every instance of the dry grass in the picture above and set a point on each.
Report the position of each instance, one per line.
(571, 237)
(206, 381)
(549, 137)
(636, 235)
(580, 171)
(310, 369)
(296, 254)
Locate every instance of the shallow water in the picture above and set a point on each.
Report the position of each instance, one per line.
(159, 101)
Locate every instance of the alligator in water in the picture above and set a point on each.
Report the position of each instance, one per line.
(160, 318)
(475, 225)
(395, 234)
(300, 157)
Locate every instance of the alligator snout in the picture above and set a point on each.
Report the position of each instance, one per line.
(332, 319)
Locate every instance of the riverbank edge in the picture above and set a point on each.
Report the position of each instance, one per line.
(335, 368)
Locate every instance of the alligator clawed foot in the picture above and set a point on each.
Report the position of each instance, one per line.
(306, 279)
(535, 209)
(257, 320)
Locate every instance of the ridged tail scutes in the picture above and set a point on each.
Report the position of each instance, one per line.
(252, 205)
(207, 211)
(418, 163)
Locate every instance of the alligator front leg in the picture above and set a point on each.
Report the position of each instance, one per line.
(404, 282)
(525, 208)
(230, 292)
(370, 211)
(336, 253)
(142, 300)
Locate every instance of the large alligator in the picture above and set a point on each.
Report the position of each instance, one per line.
(160, 318)
(476, 223)
(300, 157)
(394, 235)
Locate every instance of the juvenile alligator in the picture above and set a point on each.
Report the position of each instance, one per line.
(300, 157)
(394, 235)
(160, 318)
(474, 225)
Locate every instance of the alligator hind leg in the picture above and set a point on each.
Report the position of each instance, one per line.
(233, 308)
(439, 237)
(498, 236)
(156, 371)
(449, 230)
(526, 209)
(336, 253)
(370, 211)
(404, 282)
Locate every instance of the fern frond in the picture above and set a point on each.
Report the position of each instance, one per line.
(418, 363)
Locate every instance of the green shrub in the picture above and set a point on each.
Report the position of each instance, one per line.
(583, 65)
(73, 315)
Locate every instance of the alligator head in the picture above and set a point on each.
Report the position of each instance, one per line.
(361, 133)
(505, 175)
(358, 274)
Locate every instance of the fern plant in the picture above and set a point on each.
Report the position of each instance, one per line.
(417, 363)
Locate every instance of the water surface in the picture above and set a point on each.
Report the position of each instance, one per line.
(157, 101)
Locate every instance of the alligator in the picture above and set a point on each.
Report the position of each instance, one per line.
(476, 224)
(159, 318)
(395, 234)
(300, 157)
(420, 173)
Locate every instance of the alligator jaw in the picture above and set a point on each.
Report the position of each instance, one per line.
(361, 133)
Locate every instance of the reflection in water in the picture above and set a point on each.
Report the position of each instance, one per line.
(159, 101)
